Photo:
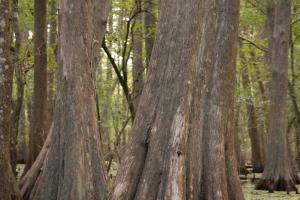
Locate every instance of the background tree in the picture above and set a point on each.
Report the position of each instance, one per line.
(279, 173)
(38, 130)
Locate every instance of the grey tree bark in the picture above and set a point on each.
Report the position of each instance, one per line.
(279, 174)
(177, 148)
(8, 186)
(74, 167)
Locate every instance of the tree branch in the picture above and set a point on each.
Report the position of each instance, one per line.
(262, 48)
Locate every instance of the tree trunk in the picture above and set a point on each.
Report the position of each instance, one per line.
(293, 95)
(51, 72)
(279, 173)
(74, 168)
(38, 131)
(177, 148)
(22, 147)
(149, 26)
(8, 187)
(237, 145)
(254, 135)
(18, 67)
(137, 63)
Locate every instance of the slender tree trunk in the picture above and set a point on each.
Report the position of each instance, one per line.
(293, 95)
(254, 134)
(38, 131)
(22, 147)
(279, 173)
(51, 72)
(137, 63)
(8, 187)
(239, 156)
(149, 26)
(177, 148)
(74, 168)
(18, 67)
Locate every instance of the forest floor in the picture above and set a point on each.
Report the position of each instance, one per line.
(251, 194)
(248, 188)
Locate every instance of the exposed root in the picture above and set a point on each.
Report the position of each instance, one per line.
(29, 180)
(278, 185)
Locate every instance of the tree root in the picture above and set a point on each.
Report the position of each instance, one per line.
(278, 185)
(29, 180)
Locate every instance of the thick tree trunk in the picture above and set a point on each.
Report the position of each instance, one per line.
(137, 63)
(38, 131)
(74, 168)
(279, 173)
(8, 187)
(177, 148)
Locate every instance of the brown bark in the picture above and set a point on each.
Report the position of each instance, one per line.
(137, 63)
(74, 168)
(38, 131)
(237, 145)
(149, 26)
(8, 187)
(31, 177)
(279, 173)
(177, 148)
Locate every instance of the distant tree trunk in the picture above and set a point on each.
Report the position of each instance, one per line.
(293, 95)
(74, 167)
(149, 26)
(22, 147)
(191, 67)
(38, 131)
(269, 26)
(279, 173)
(101, 11)
(99, 20)
(51, 72)
(8, 186)
(18, 67)
(239, 156)
(137, 63)
(254, 134)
